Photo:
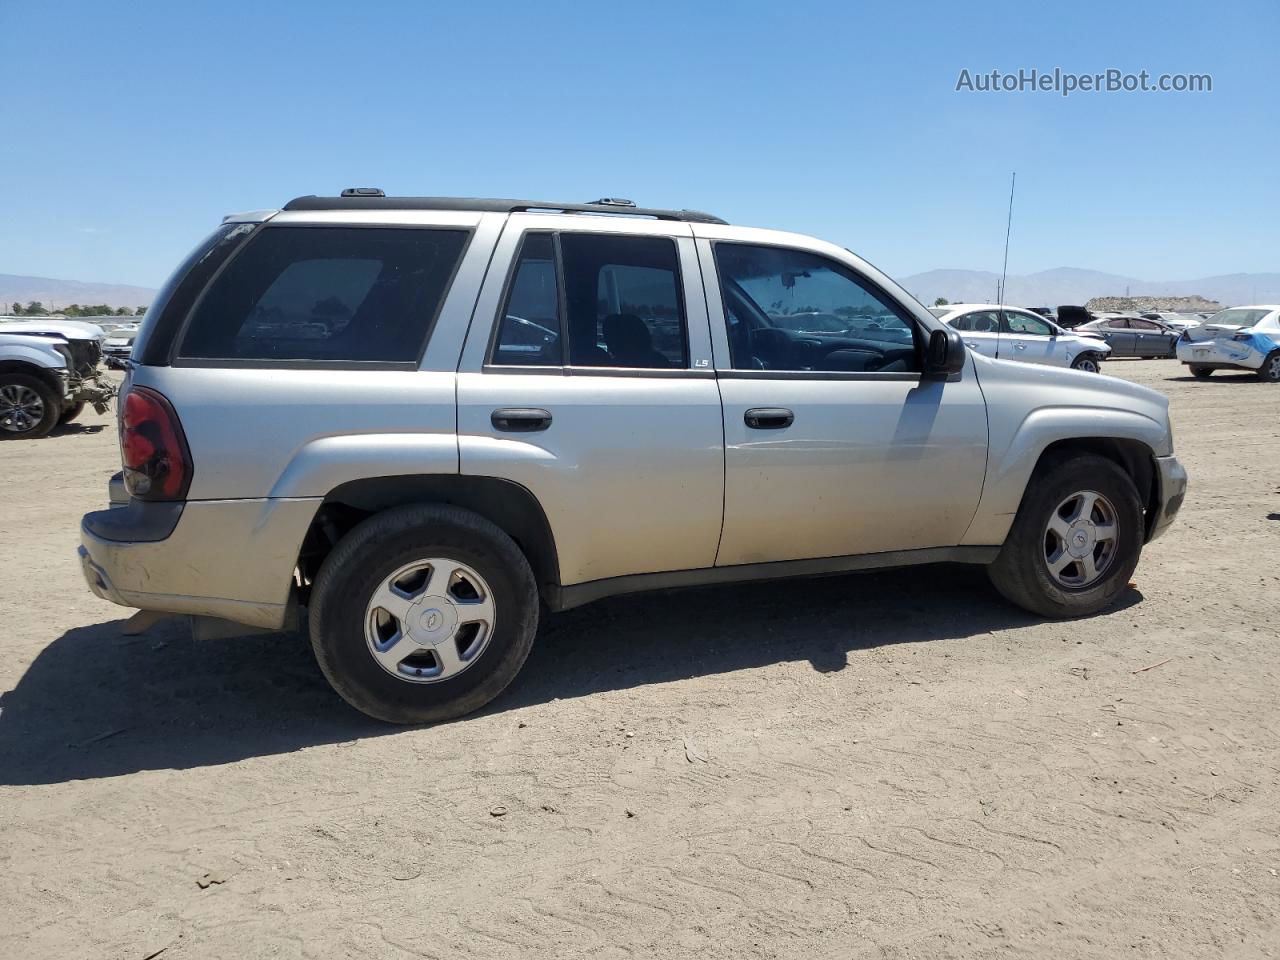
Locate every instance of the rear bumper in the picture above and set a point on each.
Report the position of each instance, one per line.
(232, 559)
(1237, 355)
(1172, 477)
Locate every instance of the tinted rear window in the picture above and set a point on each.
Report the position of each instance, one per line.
(326, 294)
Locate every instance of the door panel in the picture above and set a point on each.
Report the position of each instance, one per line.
(630, 471)
(867, 465)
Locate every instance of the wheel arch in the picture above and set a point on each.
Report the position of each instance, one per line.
(45, 374)
(509, 505)
(1132, 456)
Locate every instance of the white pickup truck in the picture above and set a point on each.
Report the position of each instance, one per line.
(49, 370)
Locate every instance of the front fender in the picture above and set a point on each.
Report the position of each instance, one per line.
(1029, 409)
(23, 350)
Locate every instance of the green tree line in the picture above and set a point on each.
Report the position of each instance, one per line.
(35, 308)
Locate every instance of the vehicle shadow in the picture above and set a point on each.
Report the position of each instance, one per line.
(69, 429)
(98, 704)
(1220, 376)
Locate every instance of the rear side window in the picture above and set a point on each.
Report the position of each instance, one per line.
(326, 294)
(623, 302)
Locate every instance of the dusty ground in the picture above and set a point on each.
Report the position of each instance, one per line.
(894, 764)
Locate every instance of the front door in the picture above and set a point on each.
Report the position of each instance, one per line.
(586, 378)
(1029, 338)
(834, 443)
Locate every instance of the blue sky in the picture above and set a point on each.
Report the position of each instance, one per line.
(130, 129)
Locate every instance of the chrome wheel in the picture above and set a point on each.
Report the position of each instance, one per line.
(21, 408)
(1087, 364)
(429, 620)
(1081, 539)
(1273, 367)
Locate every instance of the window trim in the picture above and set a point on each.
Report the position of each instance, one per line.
(265, 363)
(505, 299)
(566, 367)
(918, 331)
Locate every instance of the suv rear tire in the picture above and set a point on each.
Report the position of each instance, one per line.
(423, 613)
(29, 407)
(1076, 538)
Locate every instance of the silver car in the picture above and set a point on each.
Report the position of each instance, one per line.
(422, 420)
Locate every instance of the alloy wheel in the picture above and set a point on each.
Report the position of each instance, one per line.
(1081, 539)
(21, 408)
(430, 620)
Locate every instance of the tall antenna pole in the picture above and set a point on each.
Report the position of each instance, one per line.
(1008, 228)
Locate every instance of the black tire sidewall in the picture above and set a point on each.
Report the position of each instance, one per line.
(1076, 364)
(1021, 573)
(71, 412)
(1264, 371)
(369, 554)
(52, 406)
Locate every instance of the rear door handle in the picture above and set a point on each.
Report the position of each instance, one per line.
(768, 418)
(520, 419)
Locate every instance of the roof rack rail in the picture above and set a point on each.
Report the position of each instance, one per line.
(364, 198)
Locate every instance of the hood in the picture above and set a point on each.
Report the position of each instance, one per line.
(1062, 386)
(68, 329)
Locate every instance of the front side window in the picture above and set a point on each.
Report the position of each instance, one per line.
(793, 310)
(529, 328)
(1026, 325)
(326, 294)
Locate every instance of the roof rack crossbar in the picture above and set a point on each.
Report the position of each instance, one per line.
(366, 201)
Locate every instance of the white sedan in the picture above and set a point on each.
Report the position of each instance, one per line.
(1240, 338)
(1011, 333)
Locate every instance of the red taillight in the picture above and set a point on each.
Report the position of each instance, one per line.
(157, 464)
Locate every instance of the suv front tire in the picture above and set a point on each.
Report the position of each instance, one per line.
(1075, 540)
(423, 613)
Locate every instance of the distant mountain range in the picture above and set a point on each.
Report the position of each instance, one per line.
(1046, 288)
(1072, 285)
(62, 293)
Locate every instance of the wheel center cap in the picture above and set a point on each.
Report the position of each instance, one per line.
(433, 620)
(1081, 539)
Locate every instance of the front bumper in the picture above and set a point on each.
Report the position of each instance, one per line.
(1172, 478)
(232, 559)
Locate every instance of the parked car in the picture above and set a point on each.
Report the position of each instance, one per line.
(49, 370)
(1177, 321)
(1240, 338)
(119, 339)
(420, 489)
(1011, 333)
(1129, 335)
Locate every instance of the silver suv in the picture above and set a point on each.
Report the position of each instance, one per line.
(419, 420)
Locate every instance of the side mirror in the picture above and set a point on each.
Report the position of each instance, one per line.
(945, 354)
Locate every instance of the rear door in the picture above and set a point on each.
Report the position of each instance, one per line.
(1118, 336)
(981, 331)
(587, 379)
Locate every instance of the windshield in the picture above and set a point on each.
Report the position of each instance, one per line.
(1238, 317)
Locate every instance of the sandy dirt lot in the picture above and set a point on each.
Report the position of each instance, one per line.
(883, 765)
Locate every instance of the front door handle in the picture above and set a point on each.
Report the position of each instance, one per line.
(768, 418)
(520, 419)
(1019, 346)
